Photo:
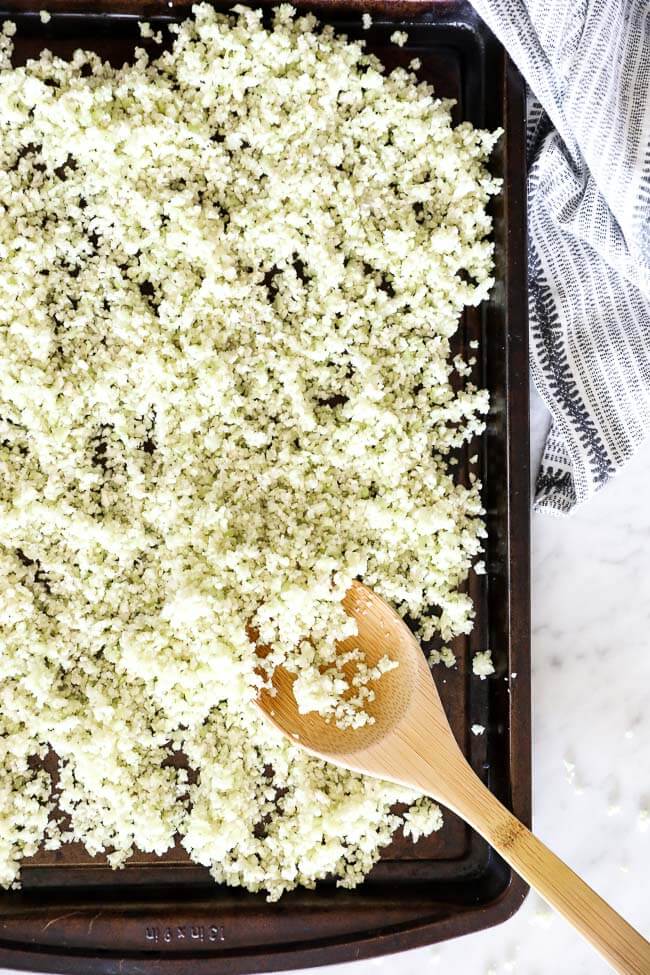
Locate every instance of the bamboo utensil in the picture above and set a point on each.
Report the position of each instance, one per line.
(410, 742)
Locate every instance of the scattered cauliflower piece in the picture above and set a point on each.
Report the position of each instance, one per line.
(147, 31)
(482, 665)
(444, 656)
(424, 817)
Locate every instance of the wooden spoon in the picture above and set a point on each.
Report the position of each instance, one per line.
(410, 742)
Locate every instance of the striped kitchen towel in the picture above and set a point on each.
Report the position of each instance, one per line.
(588, 64)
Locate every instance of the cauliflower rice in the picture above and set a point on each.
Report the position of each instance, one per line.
(228, 282)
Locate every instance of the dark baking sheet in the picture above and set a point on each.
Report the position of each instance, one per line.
(164, 914)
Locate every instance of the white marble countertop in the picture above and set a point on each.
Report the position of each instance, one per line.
(591, 726)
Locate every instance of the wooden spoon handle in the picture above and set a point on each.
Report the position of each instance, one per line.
(617, 941)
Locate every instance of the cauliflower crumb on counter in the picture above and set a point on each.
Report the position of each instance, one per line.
(399, 37)
(478, 729)
(225, 393)
(482, 665)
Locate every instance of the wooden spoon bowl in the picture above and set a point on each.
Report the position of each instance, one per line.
(410, 742)
(380, 634)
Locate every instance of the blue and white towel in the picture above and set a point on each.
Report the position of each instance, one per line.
(588, 64)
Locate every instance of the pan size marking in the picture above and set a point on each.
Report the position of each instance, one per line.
(185, 932)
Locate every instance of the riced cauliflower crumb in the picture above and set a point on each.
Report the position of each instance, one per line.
(424, 817)
(366, 21)
(226, 301)
(482, 665)
(45, 16)
(444, 656)
(399, 37)
(478, 729)
(415, 64)
(147, 31)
